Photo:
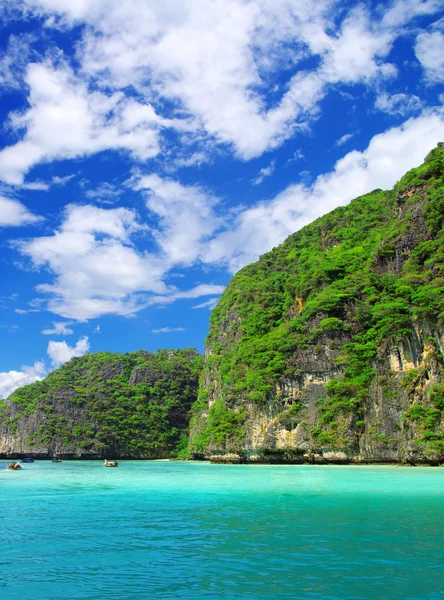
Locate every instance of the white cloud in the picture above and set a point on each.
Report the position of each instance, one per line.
(196, 159)
(13, 213)
(44, 186)
(36, 186)
(105, 192)
(59, 328)
(210, 75)
(398, 104)
(265, 172)
(297, 156)
(119, 223)
(97, 270)
(354, 56)
(67, 120)
(12, 380)
(60, 352)
(429, 51)
(210, 304)
(21, 311)
(62, 180)
(186, 217)
(13, 61)
(204, 289)
(344, 139)
(169, 330)
(216, 65)
(388, 156)
(402, 11)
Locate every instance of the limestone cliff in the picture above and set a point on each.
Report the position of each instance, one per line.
(330, 348)
(133, 405)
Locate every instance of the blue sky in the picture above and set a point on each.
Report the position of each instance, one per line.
(150, 150)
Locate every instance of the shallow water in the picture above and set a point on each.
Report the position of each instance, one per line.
(164, 530)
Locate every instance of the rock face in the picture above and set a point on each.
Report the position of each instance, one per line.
(105, 405)
(331, 348)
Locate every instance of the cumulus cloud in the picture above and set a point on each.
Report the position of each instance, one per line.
(67, 120)
(59, 328)
(398, 104)
(14, 213)
(97, 270)
(210, 76)
(215, 66)
(11, 380)
(186, 217)
(429, 49)
(401, 12)
(60, 352)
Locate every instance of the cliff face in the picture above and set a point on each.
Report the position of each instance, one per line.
(132, 405)
(330, 348)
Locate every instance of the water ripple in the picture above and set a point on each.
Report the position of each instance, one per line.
(177, 530)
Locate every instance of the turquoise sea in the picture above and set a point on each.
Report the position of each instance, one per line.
(164, 530)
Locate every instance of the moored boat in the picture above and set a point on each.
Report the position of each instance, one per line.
(110, 463)
(56, 460)
(15, 466)
(28, 460)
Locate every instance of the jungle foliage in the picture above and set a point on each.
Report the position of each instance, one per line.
(365, 273)
(134, 404)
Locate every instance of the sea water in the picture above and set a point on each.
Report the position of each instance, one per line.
(165, 530)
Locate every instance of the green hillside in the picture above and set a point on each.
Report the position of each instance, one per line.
(335, 299)
(104, 404)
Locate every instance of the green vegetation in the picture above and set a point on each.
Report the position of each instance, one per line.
(224, 431)
(428, 418)
(349, 299)
(357, 279)
(134, 404)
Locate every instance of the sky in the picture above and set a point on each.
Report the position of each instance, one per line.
(149, 150)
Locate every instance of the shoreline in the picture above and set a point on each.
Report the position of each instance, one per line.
(218, 460)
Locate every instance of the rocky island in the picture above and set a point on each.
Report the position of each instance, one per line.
(330, 348)
(105, 405)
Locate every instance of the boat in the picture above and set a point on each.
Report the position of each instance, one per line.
(15, 466)
(54, 459)
(110, 463)
(28, 460)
